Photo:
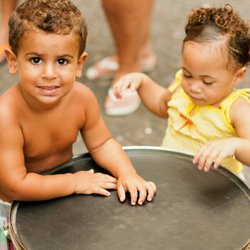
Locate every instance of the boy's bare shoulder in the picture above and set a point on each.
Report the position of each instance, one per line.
(11, 108)
(82, 91)
(83, 98)
(10, 103)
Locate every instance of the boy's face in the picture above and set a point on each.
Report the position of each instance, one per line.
(47, 65)
(206, 78)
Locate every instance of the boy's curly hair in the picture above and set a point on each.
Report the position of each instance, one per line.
(50, 16)
(214, 24)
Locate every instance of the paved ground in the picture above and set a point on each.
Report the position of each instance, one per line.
(167, 32)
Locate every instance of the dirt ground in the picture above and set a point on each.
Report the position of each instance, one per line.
(169, 18)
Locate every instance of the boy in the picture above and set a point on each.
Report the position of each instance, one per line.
(41, 115)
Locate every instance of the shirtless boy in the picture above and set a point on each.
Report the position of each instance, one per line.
(42, 114)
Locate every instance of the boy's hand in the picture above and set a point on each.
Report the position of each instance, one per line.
(214, 152)
(139, 189)
(88, 182)
(130, 81)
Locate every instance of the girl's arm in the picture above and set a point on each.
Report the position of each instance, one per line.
(239, 146)
(241, 122)
(154, 96)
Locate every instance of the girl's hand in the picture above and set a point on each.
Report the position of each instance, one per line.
(214, 152)
(139, 189)
(88, 182)
(130, 81)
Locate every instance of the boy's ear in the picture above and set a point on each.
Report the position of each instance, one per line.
(81, 60)
(12, 60)
(240, 74)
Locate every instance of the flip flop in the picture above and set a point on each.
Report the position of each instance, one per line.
(128, 104)
(106, 68)
(2, 55)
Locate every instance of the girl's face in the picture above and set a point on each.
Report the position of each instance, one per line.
(48, 65)
(206, 78)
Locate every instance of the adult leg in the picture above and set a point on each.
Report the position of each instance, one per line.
(130, 23)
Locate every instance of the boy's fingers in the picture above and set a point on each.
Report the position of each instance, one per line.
(151, 191)
(121, 193)
(142, 195)
(102, 191)
(109, 185)
(111, 179)
(106, 177)
(133, 194)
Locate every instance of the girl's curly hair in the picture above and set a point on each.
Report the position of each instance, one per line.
(50, 16)
(213, 24)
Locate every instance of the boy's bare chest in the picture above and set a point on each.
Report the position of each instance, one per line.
(49, 136)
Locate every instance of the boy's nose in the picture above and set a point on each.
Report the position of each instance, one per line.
(49, 71)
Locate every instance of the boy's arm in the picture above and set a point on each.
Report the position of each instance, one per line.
(109, 154)
(154, 96)
(18, 184)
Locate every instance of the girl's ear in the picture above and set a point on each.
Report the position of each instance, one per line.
(80, 63)
(12, 60)
(240, 74)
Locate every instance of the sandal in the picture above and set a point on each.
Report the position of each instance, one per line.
(107, 67)
(128, 104)
(104, 69)
(2, 55)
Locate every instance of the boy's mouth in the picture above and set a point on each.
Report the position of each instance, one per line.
(48, 90)
(48, 87)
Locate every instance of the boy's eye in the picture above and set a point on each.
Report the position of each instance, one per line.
(62, 61)
(36, 60)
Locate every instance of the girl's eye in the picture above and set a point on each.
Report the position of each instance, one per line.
(187, 76)
(36, 60)
(62, 61)
(207, 82)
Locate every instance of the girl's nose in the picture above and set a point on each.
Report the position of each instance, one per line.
(195, 86)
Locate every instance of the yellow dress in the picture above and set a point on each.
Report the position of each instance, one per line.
(191, 126)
